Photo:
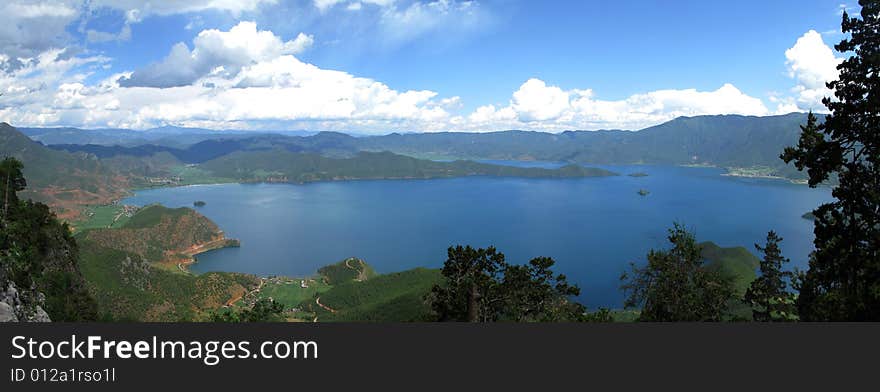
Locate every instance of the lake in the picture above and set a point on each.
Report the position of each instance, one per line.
(592, 227)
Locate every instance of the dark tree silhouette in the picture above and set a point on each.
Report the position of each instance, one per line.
(12, 181)
(767, 294)
(675, 286)
(471, 289)
(38, 253)
(264, 310)
(843, 279)
(480, 286)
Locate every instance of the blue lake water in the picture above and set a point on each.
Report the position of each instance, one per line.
(592, 227)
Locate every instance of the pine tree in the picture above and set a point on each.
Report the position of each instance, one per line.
(768, 294)
(843, 279)
(675, 286)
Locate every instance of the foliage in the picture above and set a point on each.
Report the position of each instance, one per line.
(347, 270)
(298, 167)
(393, 297)
(480, 286)
(675, 286)
(12, 181)
(288, 291)
(264, 310)
(100, 217)
(161, 234)
(843, 279)
(128, 287)
(38, 253)
(768, 295)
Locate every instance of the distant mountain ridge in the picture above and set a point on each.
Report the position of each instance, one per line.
(728, 141)
(723, 140)
(167, 136)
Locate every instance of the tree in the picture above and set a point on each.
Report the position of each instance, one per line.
(480, 286)
(264, 310)
(843, 279)
(470, 291)
(767, 294)
(532, 293)
(675, 286)
(11, 181)
(38, 254)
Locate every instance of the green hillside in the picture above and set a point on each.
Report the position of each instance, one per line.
(350, 269)
(738, 265)
(161, 234)
(133, 271)
(128, 287)
(398, 296)
(285, 166)
(727, 141)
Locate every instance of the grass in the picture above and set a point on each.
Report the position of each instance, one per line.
(193, 175)
(738, 265)
(345, 271)
(127, 288)
(288, 291)
(151, 215)
(398, 296)
(102, 217)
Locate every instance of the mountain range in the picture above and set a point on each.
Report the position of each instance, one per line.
(726, 141)
(69, 167)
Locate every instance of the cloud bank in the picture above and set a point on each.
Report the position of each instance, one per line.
(248, 78)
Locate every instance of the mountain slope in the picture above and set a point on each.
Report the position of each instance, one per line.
(159, 234)
(131, 272)
(61, 179)
(729, 141)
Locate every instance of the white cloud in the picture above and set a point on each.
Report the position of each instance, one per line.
(271, 85)
(400, 25)
(216, 51)
(30, 28)
(812, 64)
(138, 9)
(324, 5)
(535, 101)
(245, 78)
(535, 105)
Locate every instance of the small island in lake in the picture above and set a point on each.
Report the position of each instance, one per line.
(643, 192)
(199, 203)
(638, 174)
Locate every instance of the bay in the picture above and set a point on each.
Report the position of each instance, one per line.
(592, 227)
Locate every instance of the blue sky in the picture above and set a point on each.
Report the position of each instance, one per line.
(378, 66)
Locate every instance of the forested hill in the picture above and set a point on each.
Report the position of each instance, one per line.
(726, 141)
(286, 166)
(136, 272)
(729, 141)
(160, 234)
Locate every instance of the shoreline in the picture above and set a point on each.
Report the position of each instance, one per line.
(198, 249)
(765, 177)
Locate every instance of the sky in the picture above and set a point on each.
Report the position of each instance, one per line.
(381, 66)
